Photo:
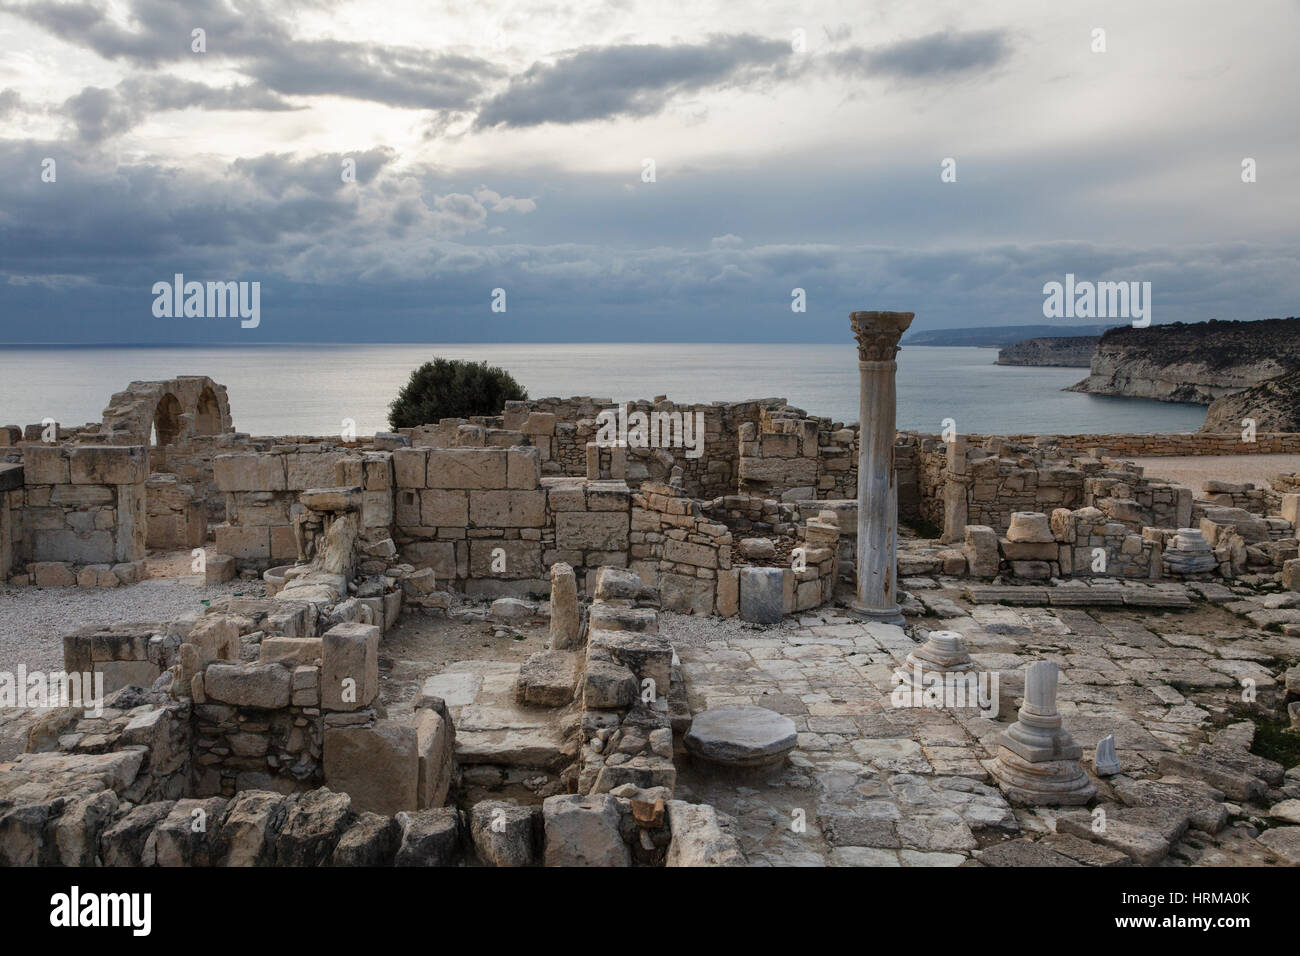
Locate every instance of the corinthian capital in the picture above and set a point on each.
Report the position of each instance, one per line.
(878, 333)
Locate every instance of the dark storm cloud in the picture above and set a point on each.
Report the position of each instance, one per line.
(398, 256)
(937, 55)
(98, 113)
(263, 47)
(630, 80)
(156, 30)
(397, 76)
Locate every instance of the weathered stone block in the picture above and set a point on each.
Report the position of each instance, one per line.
(507, 509)
(467, 468)
(599, 531)
(523, 559)
(349, 666)
(377, 766)
(583, 831)
(430, 838)
(292, 652)
(523, 468)
(505, 834)
(761, 595)
(266, 686)
(410, 467)
(435, 743)
(443, 509)
(46, 465)
(249, 472)
(246, 544)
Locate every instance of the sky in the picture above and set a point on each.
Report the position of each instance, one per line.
(638, 171)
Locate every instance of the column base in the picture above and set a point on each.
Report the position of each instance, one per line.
(884, 615)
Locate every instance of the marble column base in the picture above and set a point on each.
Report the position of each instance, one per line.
(942, 658)
(884, 615)
(1050, 783)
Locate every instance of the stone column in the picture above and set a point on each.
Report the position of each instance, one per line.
(877, 334)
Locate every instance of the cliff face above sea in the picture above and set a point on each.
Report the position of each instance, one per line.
(1076, 351)
(1273, 405)
(1195, 363)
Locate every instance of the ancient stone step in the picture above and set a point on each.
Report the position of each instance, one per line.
(548, 679)
(1156, 597)
(1230, 777)
(991, 594)
(1025, 852)
(1086, 596)
(1146, 834)
(1201, 804)
(492, 727)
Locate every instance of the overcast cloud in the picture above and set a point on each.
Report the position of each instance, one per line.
(636, 171)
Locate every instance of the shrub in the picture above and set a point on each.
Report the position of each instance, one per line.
(446, 388)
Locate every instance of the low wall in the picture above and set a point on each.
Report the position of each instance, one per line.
(84, 518)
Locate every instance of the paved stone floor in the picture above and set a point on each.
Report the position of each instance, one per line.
(874, 784)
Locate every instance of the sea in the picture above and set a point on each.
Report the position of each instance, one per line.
(313, 389)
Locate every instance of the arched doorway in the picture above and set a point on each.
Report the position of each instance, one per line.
(166, 421)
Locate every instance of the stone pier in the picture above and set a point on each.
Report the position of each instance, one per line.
(877, 334)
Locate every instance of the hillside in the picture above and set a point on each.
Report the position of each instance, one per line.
(1073, 352)
(1274, 405)
(997, 336)
(1196, 363)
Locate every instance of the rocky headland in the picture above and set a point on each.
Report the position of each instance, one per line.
(1195, 363)
(1273, 405)
(1072, 352)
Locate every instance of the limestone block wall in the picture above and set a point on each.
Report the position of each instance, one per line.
(261, 491)
(1162, 445)
(1261, 501)
(1124, 552)
(713, 473)
(84, 507)
(11, 517)
(177, 515)
(462, 511)
(678, 549)
(961, 485)
(124, 654)
(192, 463)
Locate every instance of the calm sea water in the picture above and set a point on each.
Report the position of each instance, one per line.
(310, 389)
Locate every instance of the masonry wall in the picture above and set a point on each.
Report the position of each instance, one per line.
(261, 492)
(1164, 445)
(11, 517)
(84, 507)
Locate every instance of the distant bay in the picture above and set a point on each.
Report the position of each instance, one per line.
(311, 389)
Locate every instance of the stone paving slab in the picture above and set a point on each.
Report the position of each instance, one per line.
(871, 784)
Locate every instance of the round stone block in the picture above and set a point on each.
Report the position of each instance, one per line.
(741, 736)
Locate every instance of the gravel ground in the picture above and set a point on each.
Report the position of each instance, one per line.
(34, 620)
(1194, 470)
(693, 630)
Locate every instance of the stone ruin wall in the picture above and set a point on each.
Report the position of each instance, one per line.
(245, 490)
(83, 518)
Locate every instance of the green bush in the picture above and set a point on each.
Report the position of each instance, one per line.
(446, 388)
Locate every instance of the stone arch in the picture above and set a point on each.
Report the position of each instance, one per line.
(133, 415)
(166, 421)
